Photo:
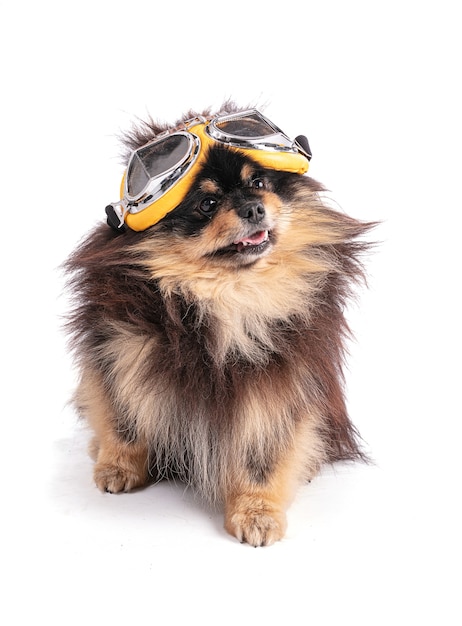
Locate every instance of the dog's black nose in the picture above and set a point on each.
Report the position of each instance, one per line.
(252, 211)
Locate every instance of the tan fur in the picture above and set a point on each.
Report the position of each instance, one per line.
(119, 466)
(209, 186)
(247, 171)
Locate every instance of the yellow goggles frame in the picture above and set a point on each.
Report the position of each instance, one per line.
(293, 159)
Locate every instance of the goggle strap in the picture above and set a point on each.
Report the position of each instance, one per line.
(116, 219)
(302, 142)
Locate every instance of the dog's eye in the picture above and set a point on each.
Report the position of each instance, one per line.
(208, 206)
(258, 183)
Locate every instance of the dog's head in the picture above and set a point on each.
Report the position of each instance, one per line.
(240, 214)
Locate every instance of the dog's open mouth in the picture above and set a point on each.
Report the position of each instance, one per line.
(250, 244)
(253, 243)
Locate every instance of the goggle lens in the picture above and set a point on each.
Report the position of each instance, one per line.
(245, 127)
(155, 160)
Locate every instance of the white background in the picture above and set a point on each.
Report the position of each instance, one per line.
(376, 88)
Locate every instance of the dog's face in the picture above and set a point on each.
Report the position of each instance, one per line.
(241, 225)
(234, 212)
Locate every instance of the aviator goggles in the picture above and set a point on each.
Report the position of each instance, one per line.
(160, 173)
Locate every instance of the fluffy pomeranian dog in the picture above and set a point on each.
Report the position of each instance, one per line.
(210, 346)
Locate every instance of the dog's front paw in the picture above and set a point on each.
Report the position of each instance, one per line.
(114, 479)
(255, 522)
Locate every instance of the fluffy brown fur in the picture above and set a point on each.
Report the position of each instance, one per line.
(215, 362)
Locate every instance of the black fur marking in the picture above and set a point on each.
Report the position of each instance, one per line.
(259, 468)
(223, 166)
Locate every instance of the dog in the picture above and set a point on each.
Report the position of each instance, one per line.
(210, 345)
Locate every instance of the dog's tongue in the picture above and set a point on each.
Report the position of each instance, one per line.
(254, 240)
